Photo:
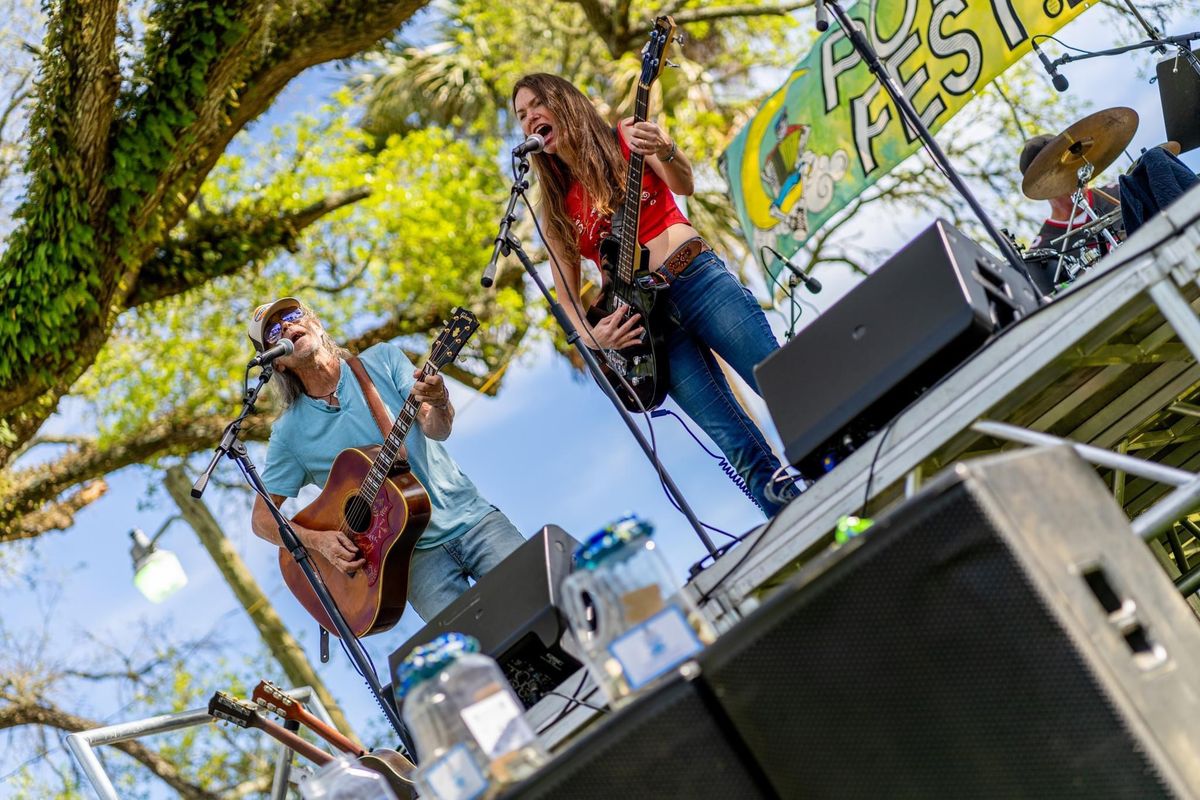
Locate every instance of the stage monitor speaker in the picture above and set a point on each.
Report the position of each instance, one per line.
(668, 744)
(903, 328)
(1002, 634)
(514, 613)
(1179, 92)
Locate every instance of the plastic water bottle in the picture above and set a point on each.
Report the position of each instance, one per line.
(467, 724)
(344, 779)
(626, 612)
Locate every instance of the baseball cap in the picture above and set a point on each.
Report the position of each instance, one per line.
(258, 320)
(1031, 149)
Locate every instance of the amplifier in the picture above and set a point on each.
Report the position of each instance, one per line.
(1003, 634)
(513, 612)
(1179, 91)
(907, 325)
(667, 744)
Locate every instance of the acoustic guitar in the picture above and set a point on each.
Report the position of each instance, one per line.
(372, 496)
(637, 373)
(392, 765)
(245, 715)
(225, 707)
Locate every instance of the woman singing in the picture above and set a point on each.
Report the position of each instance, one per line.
(582, 171)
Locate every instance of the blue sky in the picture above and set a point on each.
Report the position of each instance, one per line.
(506, 444)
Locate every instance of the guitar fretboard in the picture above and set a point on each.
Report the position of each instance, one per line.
(633, 194)
(390, 450)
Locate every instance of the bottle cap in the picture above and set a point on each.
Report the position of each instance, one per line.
(614, 536)
(428, 660)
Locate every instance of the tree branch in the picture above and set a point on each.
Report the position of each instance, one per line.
(33, 712)
(725, 12)
(222, 244)
(30, 489)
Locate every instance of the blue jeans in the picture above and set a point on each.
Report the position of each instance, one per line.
(711, 311)
(439, 574)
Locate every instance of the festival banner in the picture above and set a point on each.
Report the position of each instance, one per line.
(831, 130)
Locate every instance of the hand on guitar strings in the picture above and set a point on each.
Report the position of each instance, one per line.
(615, 331)
(336, 547)
(648, 139)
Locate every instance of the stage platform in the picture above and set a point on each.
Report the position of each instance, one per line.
(1110, 362)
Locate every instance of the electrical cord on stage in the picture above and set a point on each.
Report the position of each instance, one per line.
(731, 473)
(569, 706)
(706, 596)
(1043, 36)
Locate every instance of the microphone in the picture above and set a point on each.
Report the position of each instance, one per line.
(284, 348)
(822, 15)
(1059, 81)
(810, 283)
(533, 144)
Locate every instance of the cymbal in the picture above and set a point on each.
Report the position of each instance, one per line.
(1096, 139)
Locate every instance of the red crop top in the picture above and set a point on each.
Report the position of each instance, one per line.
(659, 210)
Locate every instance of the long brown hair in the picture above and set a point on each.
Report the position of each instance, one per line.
(587, 140)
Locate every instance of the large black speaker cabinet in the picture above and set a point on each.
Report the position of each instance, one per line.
(667, 745)
(1179, 91)
(908, 324)
(514, 613)
(1002, 634)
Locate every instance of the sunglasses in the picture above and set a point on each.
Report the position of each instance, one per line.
(275, 329)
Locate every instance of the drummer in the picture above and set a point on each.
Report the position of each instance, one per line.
(1102, 200)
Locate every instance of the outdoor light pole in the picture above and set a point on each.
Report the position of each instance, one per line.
(156, 573)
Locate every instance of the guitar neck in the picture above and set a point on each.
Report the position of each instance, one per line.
(327, 732)
(393, 442)
(627, 261)
(290, 739)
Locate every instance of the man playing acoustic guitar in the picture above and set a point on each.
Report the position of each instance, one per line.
(326, 412)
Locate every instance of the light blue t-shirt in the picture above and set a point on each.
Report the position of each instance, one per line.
(309, 435)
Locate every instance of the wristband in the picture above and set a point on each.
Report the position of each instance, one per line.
(670, 156)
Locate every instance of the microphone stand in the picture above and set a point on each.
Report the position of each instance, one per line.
(233, 447)
(507, 243)
(1156, 42)
(909, 115)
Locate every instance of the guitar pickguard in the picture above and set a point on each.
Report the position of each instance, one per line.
(371, 542)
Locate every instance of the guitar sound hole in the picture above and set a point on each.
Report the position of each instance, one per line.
(358, 514)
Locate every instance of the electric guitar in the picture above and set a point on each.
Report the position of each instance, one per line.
(372, 496)
(392, 765)
(638, 373)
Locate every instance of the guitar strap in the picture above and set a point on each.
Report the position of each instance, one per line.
(374, 401)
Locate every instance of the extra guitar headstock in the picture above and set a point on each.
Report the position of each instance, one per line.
(240, 712)
(654, 53)
(449, 343)
(269, 696)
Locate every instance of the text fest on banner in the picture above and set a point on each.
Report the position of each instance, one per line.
(831, 131)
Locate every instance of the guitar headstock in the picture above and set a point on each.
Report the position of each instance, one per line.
(454, 335)
(654, 54)
(269, 696)
(240, 712)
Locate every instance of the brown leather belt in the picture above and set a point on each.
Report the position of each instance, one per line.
(685, 254)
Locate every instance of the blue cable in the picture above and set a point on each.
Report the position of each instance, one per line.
(722, 462)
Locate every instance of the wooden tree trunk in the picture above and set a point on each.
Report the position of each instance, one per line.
(283, 645)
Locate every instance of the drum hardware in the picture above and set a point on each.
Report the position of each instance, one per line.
(1067, 164)
(1100, 223)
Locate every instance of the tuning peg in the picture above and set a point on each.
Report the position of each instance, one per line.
(679, 37)
(672, 64)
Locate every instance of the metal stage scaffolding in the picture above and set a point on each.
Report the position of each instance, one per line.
(83, 744)
(1111, 363)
